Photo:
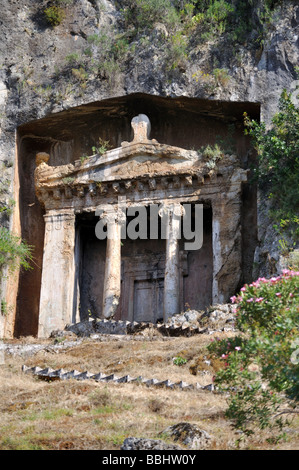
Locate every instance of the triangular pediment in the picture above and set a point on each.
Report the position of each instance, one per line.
(142, 157)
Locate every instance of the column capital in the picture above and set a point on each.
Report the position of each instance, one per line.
(170, 209)
(112, 214)
(58, 218)
(63, 214)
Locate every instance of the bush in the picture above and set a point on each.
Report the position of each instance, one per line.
(212, 155)
(13, 251)
(143, 14)
(277, 170)
(54, 15)
(179, 361)
(261, 368)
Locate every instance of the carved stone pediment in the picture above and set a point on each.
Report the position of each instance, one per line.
(140, 165)
(140, 158)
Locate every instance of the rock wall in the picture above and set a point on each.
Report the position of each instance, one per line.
(46, 69)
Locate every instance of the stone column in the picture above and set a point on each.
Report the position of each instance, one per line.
(58, 273)
(112, 278)
(172, 222)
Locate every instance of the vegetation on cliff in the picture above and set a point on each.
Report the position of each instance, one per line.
(277, 170)
(177, 29)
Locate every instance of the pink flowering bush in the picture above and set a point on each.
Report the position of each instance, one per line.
(265, 302)
(260, 367)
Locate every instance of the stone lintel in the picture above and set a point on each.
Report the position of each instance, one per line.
(57, 196)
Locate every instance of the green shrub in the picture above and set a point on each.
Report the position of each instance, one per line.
(54, 15)
(179, 361)
(73, 58)
(101, 147)
(277, 170)
(176, 54)
(143, 14)
(261, 368)
(212, 155)
(13, 251)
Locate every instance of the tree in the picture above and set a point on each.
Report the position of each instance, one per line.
(278, 164)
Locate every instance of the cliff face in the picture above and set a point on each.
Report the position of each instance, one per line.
(92, 55)
(96, 51)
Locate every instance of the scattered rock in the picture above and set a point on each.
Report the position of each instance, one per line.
(219, 317)
(189, 435)
(135, 443)
(216, 318)
(62, 334)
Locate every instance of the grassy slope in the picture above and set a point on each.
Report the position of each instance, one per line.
(87, 415)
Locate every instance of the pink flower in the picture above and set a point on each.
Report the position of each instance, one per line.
(233, 299)
(278, 294)
(224, 356)
(274, 279)
(243, 289)
(259, 299)
(249, 300)
(237, 348)
(291, 295)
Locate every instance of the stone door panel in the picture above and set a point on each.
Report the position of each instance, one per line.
(148, 300)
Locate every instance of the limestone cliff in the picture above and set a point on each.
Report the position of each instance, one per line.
(94, 50)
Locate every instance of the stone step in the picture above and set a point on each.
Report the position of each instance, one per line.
(62, 374)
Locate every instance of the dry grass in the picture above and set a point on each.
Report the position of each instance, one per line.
(70, 415)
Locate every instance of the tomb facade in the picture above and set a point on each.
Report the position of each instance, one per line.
(161, 270)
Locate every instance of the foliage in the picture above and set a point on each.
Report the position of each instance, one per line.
(101, 147)
(107, 50)
(179, 361)
(54, 15)
(13, 251)
(4, 308)
(261, 368)
(176, 54)
(278, 163)
(185, 23)
(211, 81)
(55, 12)
(68, 179)
(213, 154)
(81, 75)
(212, 18)
(143, 14)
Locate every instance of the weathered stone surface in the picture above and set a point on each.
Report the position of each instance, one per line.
(215, 318)
(178, 325)
(131, 162)
(35, 81)
(190, 435)
(135, 443)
